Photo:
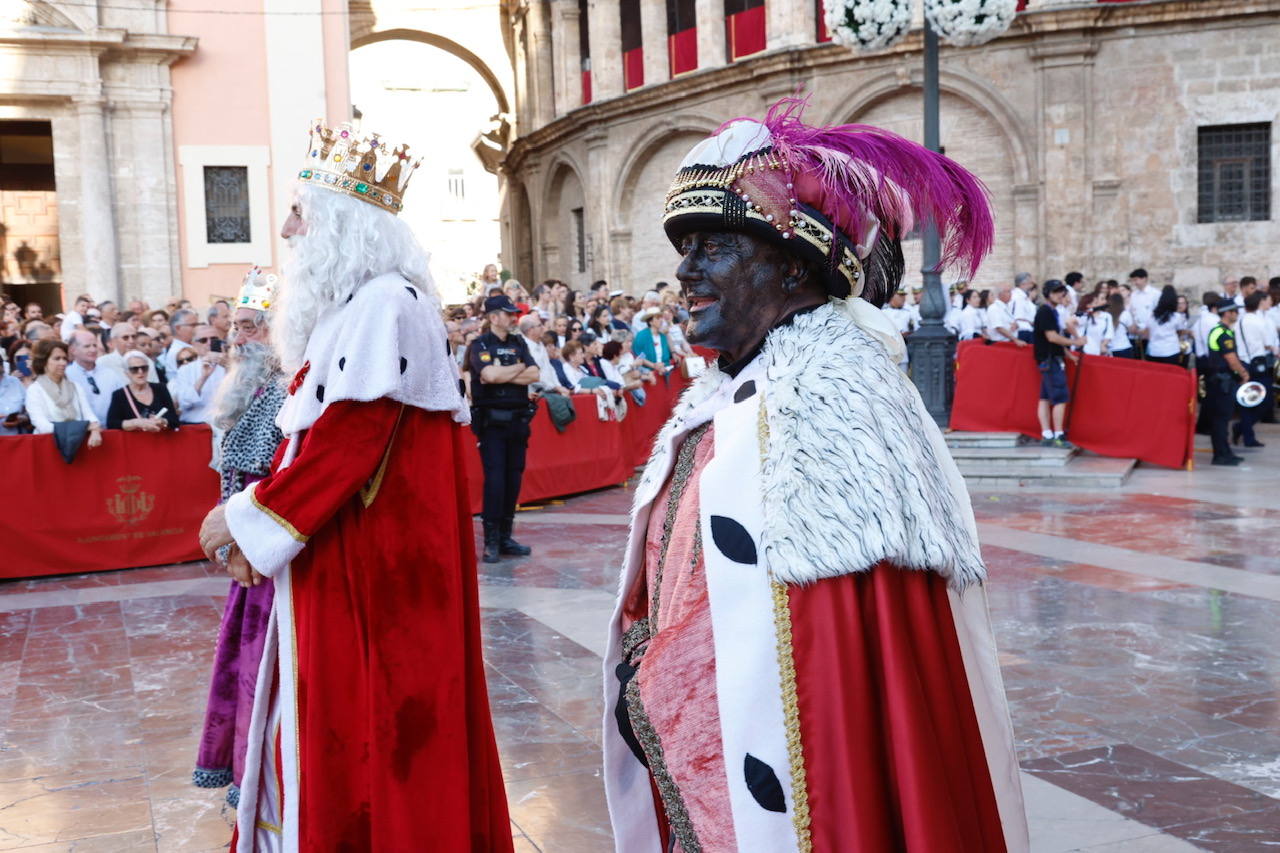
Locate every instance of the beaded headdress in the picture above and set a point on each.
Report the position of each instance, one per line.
(826, 193)
(258, 291)
(342, 160)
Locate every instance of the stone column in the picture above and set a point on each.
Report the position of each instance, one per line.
(653, 34)
(597, 187)
(542, 89)
(604, 28)
(790, 23)
(97, 214)
(710, 17)
(567, 58)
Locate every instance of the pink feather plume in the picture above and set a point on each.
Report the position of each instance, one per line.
(899, 182)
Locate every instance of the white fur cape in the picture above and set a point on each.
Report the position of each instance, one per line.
(855, 471)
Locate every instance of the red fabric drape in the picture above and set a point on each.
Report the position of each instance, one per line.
(892, 750)
(633, 68)
(745, 32)
(682, 47)
(1120, 407)
(137, 500)
(395, 739)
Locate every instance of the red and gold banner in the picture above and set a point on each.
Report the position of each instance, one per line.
(137, 500)
(1119, 407)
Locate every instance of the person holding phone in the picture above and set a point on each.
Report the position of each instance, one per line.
(141, 406)
(196, 384)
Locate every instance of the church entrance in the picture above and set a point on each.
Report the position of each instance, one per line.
(30, 257)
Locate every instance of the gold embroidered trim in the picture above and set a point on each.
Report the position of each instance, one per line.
(791, 712)
(278, 519)
(270, 827)
(370, 491)
(787, 674)
(672, 802)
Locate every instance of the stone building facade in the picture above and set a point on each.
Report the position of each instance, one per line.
(1087, 121)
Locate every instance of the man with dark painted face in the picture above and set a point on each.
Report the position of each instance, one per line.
(801, 657)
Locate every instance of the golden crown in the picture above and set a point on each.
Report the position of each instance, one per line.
(258, 290)
(366, 168)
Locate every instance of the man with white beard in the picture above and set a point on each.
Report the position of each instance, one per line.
(370, 727)
(244, 412)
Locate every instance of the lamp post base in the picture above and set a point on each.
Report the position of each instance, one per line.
(933, 353)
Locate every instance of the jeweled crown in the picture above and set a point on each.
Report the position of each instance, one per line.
(364, 167)
(258, 291)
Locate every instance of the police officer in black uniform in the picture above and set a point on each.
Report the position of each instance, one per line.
(502, 369)
(1223, 373)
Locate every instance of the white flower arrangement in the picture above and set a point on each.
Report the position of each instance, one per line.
(868, 24)
(966, 23)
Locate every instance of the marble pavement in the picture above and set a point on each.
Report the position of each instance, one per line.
(1137, 630)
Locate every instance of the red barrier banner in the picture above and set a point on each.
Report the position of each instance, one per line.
(137, 500)
(1119, 407)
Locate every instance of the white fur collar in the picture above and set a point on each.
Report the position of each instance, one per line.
(855, 470)
(388, 340)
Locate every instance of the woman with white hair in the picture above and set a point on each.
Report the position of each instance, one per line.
(141, 406)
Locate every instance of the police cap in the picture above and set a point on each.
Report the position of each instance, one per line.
(1225, 305)
(500, 303)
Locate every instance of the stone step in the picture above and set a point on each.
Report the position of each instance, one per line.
(983, 439)
(1029, 454)
(1083, 472)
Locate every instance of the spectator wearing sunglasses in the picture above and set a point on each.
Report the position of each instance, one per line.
(124, 339)
(96, 384)
(197, 382)
(142, 405)
(183, 324)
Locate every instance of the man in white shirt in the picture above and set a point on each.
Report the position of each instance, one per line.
(1075, 289)
(96, 384)
(913, 304)
(183, 323)
(1205, 320)
(219, 317)
(903, 320)
(651, 299)
(1142, 300)
(197, 383)
(74, 319)
(1000, 322)
(1231, 290)
(123, 338)
(532, 329)
(1021, 306)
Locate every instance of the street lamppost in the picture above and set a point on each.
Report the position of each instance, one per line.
(871, 25)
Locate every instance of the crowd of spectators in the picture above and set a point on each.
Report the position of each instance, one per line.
(601, 342)
(139, 369)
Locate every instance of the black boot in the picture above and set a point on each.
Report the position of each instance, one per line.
(490, 542)
(507, 546)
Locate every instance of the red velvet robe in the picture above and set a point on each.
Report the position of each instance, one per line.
(380, 627)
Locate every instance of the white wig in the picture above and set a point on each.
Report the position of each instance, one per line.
(348, 242)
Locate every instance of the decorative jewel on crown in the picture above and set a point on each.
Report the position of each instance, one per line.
(258, 290)
(342, 160)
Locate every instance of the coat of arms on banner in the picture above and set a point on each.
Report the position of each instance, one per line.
(130, 505)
